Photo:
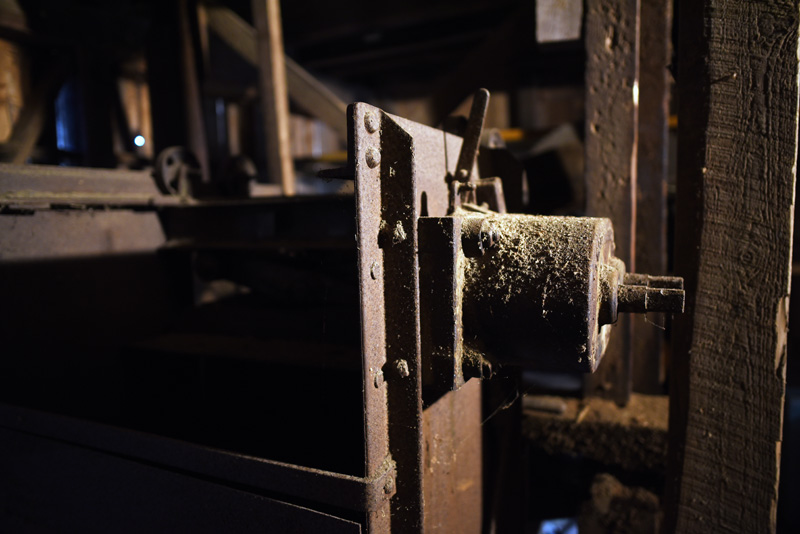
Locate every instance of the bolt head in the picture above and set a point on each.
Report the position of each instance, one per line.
(402, 368)
(371, 122)
(489, 236)
(373, 157)
(378, 382)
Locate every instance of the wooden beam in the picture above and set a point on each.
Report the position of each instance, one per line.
(308, 93)
(738, 121)
(274, 95)
(651, 184)
(193, 98)
(612, 74)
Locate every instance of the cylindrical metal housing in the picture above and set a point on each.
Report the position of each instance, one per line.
(534, 298)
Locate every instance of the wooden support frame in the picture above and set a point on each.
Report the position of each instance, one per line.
(651, 185)
(274, 94)
(612, 86)
(305, 91)
(738, 124)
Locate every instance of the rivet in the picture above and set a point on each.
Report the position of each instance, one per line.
(378, 382)
(371, 122)
(375, 270)
(373, 157)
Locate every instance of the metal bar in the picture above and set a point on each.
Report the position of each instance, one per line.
(366, 139)
(323, 487)
(399, 240)
(274, 95)
(61, 487)
(472, 137)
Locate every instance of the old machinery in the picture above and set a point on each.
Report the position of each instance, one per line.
(248, 381)
(453, 287)
(495, 288)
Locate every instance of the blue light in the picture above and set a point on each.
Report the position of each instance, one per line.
(138, 140)
(559, 526)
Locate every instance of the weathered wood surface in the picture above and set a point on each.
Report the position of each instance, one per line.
(612, 71)
(274, 94)
(633, 438)
(738, 83)
(651, 183)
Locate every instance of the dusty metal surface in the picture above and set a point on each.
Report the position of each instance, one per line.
(291, 481)
(400, 169)
(449, 287)
(53, 486)
(534, 299)
(373, 331)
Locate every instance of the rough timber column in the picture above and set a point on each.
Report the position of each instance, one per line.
(738, 83)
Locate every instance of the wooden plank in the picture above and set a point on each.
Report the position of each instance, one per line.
(738, 83)
(651, 180)
(274, 95)
(612, 72)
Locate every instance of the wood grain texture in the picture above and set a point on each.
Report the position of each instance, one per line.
(274, 93)
(651, 184)
(612, 71)
(738, 83)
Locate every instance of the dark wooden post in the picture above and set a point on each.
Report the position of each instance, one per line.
(651, 183)
(738, 82)
(612, 74)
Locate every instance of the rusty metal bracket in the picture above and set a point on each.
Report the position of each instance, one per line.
(400, 169)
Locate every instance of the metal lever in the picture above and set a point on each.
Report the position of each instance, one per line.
(472, 136)
(463, 181)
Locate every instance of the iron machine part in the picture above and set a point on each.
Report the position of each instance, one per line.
(452, 287)
(508, 289)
